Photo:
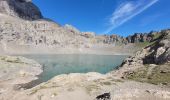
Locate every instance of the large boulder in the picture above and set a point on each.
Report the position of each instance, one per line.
(163, 48)
(20, 8)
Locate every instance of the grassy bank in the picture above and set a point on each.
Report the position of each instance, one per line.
(157, 74)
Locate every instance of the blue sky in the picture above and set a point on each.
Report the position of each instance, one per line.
(123, 17)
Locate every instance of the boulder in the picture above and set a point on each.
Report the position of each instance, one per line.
(105, 96)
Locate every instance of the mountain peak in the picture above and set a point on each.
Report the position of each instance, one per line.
(24, 9)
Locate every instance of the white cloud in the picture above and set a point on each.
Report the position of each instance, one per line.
(127, 11)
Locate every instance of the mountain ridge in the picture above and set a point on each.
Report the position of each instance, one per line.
(28, 29)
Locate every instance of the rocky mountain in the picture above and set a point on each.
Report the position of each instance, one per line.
(23, 28)
(20, 8)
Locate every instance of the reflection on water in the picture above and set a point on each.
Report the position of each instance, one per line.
(65, 64)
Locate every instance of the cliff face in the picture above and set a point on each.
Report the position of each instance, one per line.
(34, 33)
(134, 39)
(20, 8)
(22, 24)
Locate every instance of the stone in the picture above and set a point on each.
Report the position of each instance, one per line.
(105, 96)
(160, 51)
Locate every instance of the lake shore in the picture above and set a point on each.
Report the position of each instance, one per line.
(88, 86)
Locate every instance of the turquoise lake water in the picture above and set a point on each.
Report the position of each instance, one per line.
(65, 64)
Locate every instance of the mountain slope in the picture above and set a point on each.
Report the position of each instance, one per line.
(152, 64)
(24, 30)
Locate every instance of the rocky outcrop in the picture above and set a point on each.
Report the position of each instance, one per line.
(36, 33)
(136, 38)
(162, 48)
(151, 64)
(140, 37)
(20, 8)
(15, 72)
(114, 40)
(156, 53)
(18, 70)
(159, 52)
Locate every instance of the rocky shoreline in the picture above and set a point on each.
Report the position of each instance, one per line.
(15, 71)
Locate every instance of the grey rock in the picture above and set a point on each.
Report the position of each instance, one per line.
(140, 37)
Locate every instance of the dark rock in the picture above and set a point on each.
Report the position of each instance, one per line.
(20, 8)
(165, 83)
(148, 91)
(163, 71)
(105, 96)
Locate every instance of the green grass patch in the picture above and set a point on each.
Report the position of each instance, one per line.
(106, 83)
(155, 77)
(138, 75)
(92, 87)
(144, 44)
(156, 36)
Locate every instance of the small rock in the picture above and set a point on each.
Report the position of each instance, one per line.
(105, 96)
(165, 83)
(148, 91)
(163, 71)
